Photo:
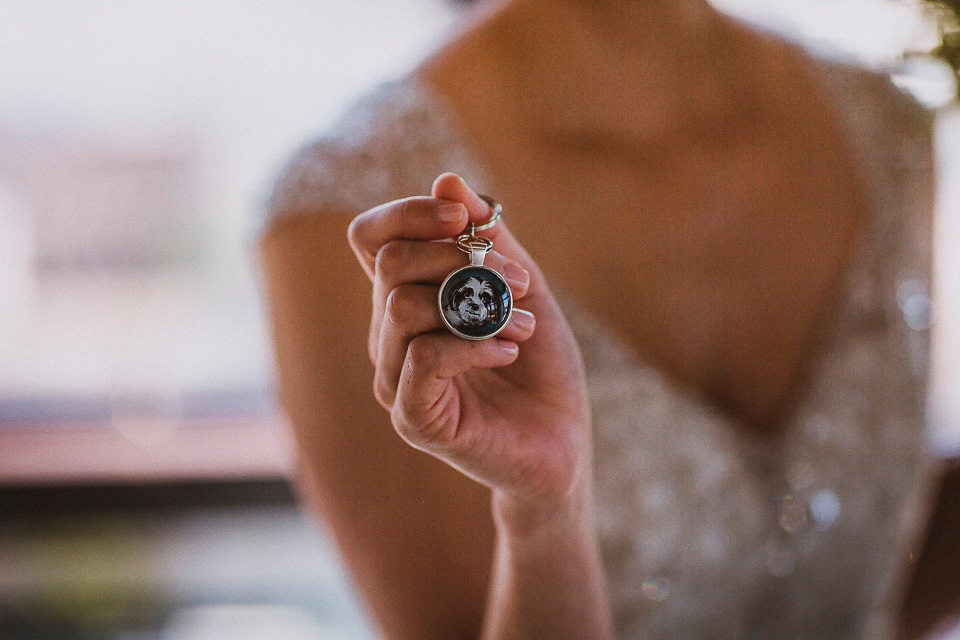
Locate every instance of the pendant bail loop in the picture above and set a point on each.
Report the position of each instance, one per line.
(471, 244)
(477, 254)
(475, 302)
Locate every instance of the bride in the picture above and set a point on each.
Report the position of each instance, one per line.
(704, 418)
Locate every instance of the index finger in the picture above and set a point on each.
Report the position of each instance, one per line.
(413, 218)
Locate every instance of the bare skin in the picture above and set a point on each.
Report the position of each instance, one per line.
(709, 186)
(710, 214)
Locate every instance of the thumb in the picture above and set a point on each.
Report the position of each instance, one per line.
(450, 186)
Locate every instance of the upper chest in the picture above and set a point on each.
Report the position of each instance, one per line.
(719, 265)
(717, 254)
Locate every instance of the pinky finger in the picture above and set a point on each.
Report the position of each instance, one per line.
(427, 408)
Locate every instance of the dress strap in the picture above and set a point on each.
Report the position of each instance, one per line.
(890, 139)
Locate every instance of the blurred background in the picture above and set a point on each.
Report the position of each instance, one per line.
(144, 466)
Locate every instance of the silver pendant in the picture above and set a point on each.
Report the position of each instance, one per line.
(475, 301)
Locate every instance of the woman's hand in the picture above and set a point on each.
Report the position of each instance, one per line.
(510, 411)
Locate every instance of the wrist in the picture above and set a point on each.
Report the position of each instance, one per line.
(548, 578)
(519, 516)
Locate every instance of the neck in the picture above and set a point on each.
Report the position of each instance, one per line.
(630, 69)
(636, 24)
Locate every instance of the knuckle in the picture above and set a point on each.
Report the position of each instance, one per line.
(389, 257)
(421, 353)
(415, 210)
(393, 311)
(416, 430)
(405, 209)
(383, 392)
(399, 307)
(354, 231)
(412, 208)
(403, 425)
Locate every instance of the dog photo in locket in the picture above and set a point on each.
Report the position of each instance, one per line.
(475, 302)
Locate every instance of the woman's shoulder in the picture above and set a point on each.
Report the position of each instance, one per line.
(890, 135)
(871, 100)
(390, 143)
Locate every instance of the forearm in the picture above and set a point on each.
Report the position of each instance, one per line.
(547, 579)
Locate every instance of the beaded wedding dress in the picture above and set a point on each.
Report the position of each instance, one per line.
(704, 532)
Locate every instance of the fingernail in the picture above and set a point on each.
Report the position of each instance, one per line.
(509, 348)
(516, 275)
(450, 212)
(524, 319)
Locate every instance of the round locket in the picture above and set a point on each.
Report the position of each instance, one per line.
(475, 301)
